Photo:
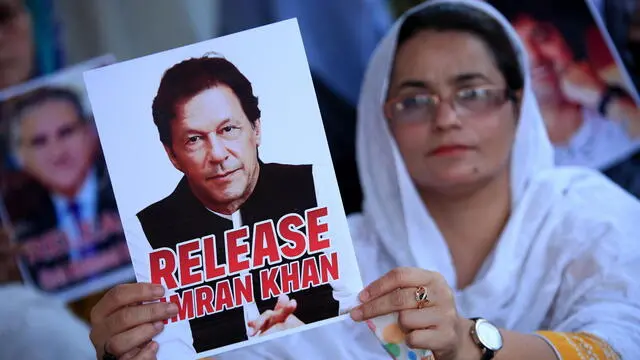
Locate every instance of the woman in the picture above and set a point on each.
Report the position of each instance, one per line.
(462, 203)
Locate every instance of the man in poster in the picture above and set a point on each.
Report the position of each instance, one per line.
(62, 206)
(587, 105)
(209, 124)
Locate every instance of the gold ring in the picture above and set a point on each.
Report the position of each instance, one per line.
(421, 297)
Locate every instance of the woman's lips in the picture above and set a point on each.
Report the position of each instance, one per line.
(449, 150)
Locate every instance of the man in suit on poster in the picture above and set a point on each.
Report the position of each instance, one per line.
(209, 124)
(63, 195)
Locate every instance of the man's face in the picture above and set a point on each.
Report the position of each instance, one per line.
(548, 52)
(56, 147)
(16, 45)
(215, 146)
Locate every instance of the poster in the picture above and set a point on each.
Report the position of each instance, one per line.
(57, 201)
(226, 189)
(585, 94)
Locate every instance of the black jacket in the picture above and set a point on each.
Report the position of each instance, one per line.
(280, 190)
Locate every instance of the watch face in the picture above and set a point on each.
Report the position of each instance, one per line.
(489, 335)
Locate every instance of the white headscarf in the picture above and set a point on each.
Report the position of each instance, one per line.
(377, 152)
(564, 261)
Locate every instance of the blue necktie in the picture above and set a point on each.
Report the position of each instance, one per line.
(74, 209)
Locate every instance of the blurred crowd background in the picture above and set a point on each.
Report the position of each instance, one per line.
(339, 36)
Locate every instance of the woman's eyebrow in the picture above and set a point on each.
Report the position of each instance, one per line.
(458, 79)
(413, 84)
(409, 84)
(465, 78)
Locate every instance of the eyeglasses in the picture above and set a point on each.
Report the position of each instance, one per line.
(466, 102)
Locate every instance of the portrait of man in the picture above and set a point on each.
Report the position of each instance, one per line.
(62, 209)
(209, 124)
(590, 115)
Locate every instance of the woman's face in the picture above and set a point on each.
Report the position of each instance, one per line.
(447, 150)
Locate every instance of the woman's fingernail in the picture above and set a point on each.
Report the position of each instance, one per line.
(158, 290)
(172, 309)
(364, 295)
(153, 346)
(356, 314)
(158, 325)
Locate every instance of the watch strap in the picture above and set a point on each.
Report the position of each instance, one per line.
(610, 93)
(488, 354)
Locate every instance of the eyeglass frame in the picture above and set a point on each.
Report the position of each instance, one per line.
(507, 93)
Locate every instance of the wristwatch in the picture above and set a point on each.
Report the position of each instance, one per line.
(611, 93)
(487, 337)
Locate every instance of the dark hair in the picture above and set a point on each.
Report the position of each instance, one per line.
(190, 77)
(456, 17)
(572, 18)
(21, 103)
(16, 107)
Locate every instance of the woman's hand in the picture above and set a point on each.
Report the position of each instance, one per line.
(433, 324)
(124, 327)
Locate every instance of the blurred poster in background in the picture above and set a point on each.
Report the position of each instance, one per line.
(586, 96)
(57, 200)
